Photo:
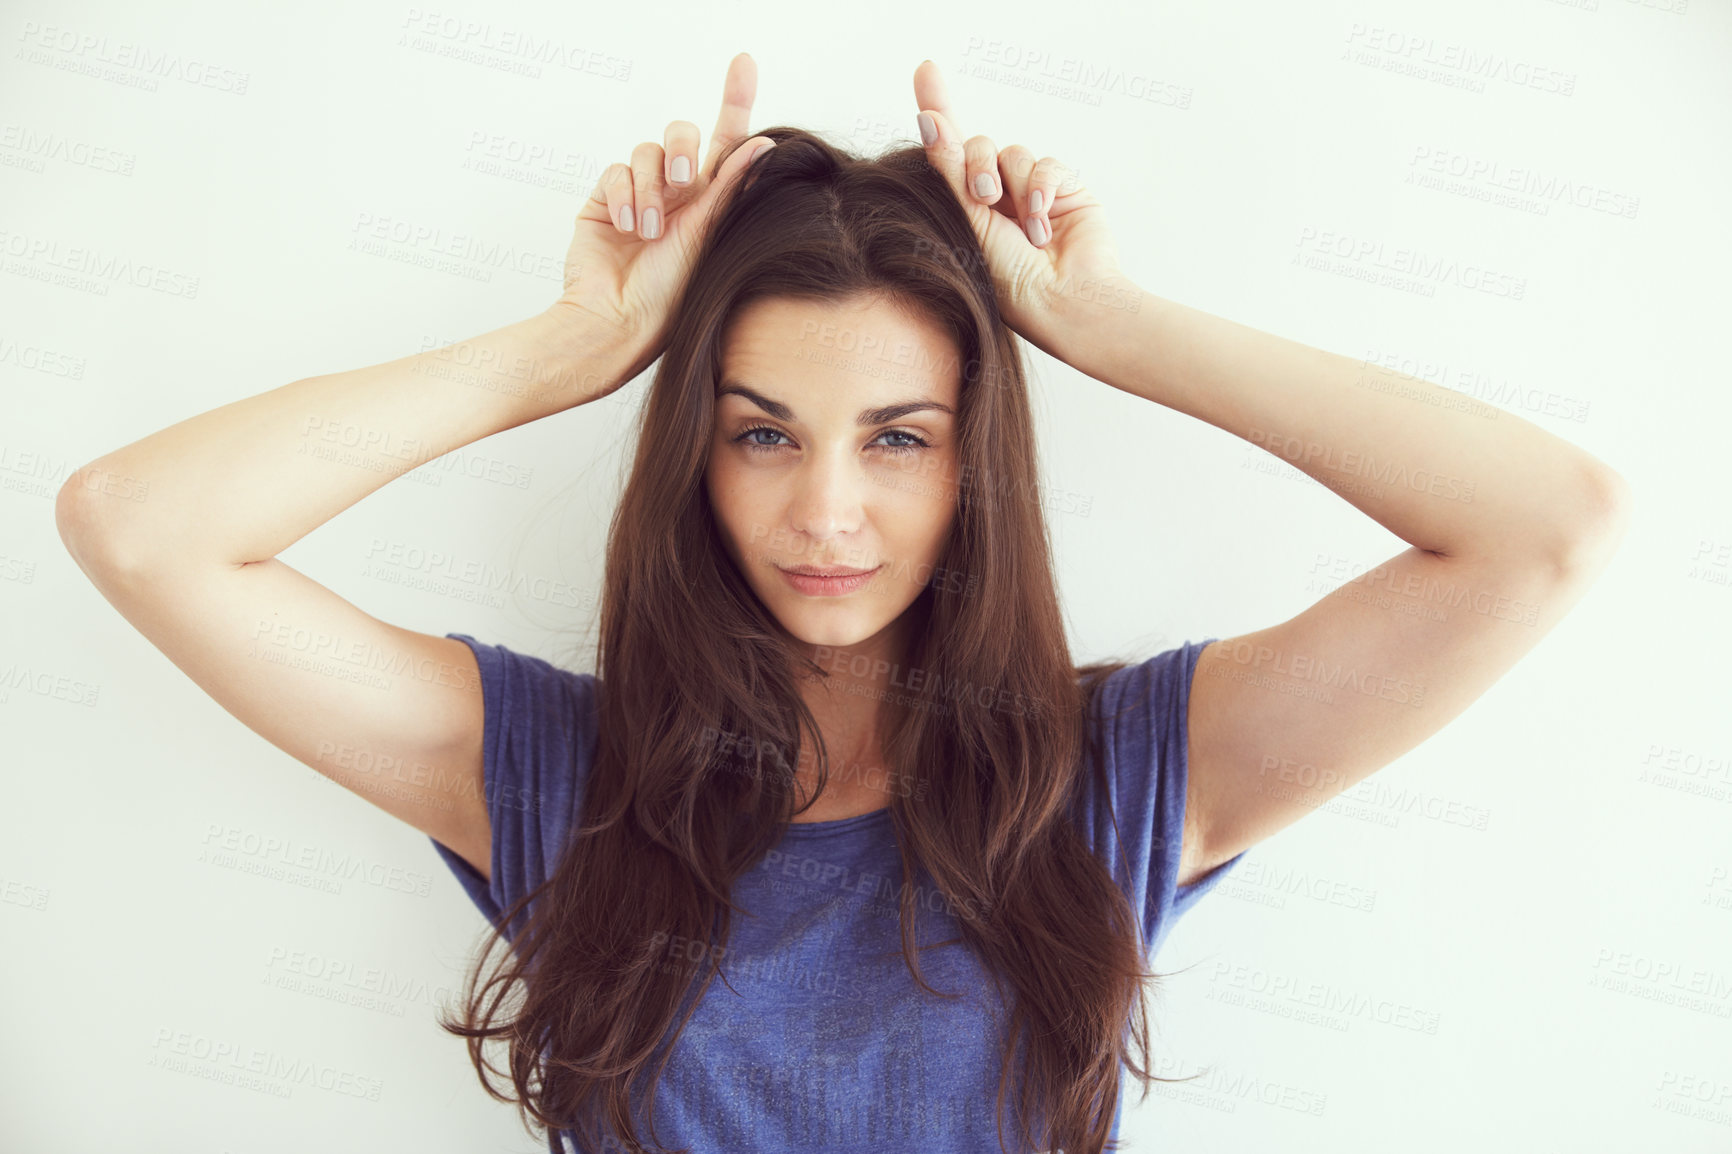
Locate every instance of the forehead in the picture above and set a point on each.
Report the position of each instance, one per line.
(858, 346)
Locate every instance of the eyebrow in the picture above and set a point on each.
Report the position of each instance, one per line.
(867, 417)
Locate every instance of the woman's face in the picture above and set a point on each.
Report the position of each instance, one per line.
(834, 447)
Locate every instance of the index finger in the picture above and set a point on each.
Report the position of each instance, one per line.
(735, 120)
(929, 92)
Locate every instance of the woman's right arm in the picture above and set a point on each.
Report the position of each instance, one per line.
(394, 715)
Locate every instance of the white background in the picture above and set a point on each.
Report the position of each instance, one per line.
(1575, 954)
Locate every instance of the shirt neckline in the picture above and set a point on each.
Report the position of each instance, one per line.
(838, 825)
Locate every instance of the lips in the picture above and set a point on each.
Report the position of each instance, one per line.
(819, 581)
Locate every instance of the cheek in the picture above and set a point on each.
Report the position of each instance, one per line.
(928, 515)
(915, 484)
(725, 480)
(740, 509)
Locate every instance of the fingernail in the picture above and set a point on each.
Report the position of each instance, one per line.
(625, 217)
(1036, 229)
(760, 150)
(984, 185)
(1035, 200)
(681, 169)
(928, 130)
(652, 223)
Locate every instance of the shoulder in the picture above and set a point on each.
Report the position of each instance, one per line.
(539, 733)
(1133, 794)
(1140, 703)
(520, 688)
(540, 727)
(1136, 720)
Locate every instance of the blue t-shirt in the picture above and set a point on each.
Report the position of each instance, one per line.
(824, 1042)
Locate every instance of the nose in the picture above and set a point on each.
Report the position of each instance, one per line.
(828, 496)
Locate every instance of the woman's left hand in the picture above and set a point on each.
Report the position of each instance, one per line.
(1048, 250)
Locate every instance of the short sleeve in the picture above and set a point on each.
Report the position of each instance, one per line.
(1141, 733)
(538, 740)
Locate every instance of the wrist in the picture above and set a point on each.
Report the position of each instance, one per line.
(1082, 315)
(577, 357)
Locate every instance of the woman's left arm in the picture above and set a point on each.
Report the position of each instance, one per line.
(1443, 472)
(1508, 524)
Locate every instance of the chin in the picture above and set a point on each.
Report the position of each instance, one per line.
(837, 630)
(838, 622)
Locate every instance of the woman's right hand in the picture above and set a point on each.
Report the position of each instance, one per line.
(639, 231)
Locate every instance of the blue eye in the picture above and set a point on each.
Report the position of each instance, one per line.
(744, 438)
(918, 442)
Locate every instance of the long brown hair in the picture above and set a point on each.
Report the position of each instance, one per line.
(687, 651)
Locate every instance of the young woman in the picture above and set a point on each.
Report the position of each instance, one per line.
(838, 849)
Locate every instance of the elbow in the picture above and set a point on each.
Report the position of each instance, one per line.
(71, 520)
(1600, 525)
(75, 520)
(89, 519)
